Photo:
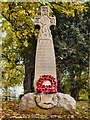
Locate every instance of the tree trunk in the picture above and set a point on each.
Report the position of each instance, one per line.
(75, 90)
(29, 60)
(75, 93)
(6, 93)
(59, 79)
(72, 90)
(28, 80)
(77, 83)
(60, 75)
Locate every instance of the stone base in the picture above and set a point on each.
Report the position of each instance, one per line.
(57, 103)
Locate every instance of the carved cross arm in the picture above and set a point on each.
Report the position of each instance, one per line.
(36, 20)
(52, 21)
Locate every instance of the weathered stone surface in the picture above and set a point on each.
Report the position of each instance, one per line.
(57, 103)
(46, 101)
(45, 55)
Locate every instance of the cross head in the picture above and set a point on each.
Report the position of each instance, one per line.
(45, 21)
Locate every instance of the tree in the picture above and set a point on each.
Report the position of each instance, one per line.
(19, 17)
(71, 45)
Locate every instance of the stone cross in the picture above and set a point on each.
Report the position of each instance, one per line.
(45, 56)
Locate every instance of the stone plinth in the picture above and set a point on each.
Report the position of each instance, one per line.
(57, 103)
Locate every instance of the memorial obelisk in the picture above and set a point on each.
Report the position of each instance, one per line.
(45, 55)
(52, 103)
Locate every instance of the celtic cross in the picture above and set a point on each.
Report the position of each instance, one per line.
(45, 21)
(45, 55)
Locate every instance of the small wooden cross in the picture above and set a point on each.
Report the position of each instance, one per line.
(45, 21)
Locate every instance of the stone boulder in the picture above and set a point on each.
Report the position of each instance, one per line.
(56, 103)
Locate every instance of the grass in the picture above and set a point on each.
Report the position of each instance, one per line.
(10, 110)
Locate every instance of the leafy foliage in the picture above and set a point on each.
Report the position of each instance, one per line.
(70, 41)
(71, 48)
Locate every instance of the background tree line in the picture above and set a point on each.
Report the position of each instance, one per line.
(70, 37)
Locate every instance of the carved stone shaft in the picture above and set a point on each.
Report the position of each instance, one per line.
(45, 55)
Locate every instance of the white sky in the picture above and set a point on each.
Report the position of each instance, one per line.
(18, 90)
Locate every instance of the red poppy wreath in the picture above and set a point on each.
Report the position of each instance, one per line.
(46, 84)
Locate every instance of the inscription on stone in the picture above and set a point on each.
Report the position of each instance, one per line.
(45, 56)
(45, 41)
